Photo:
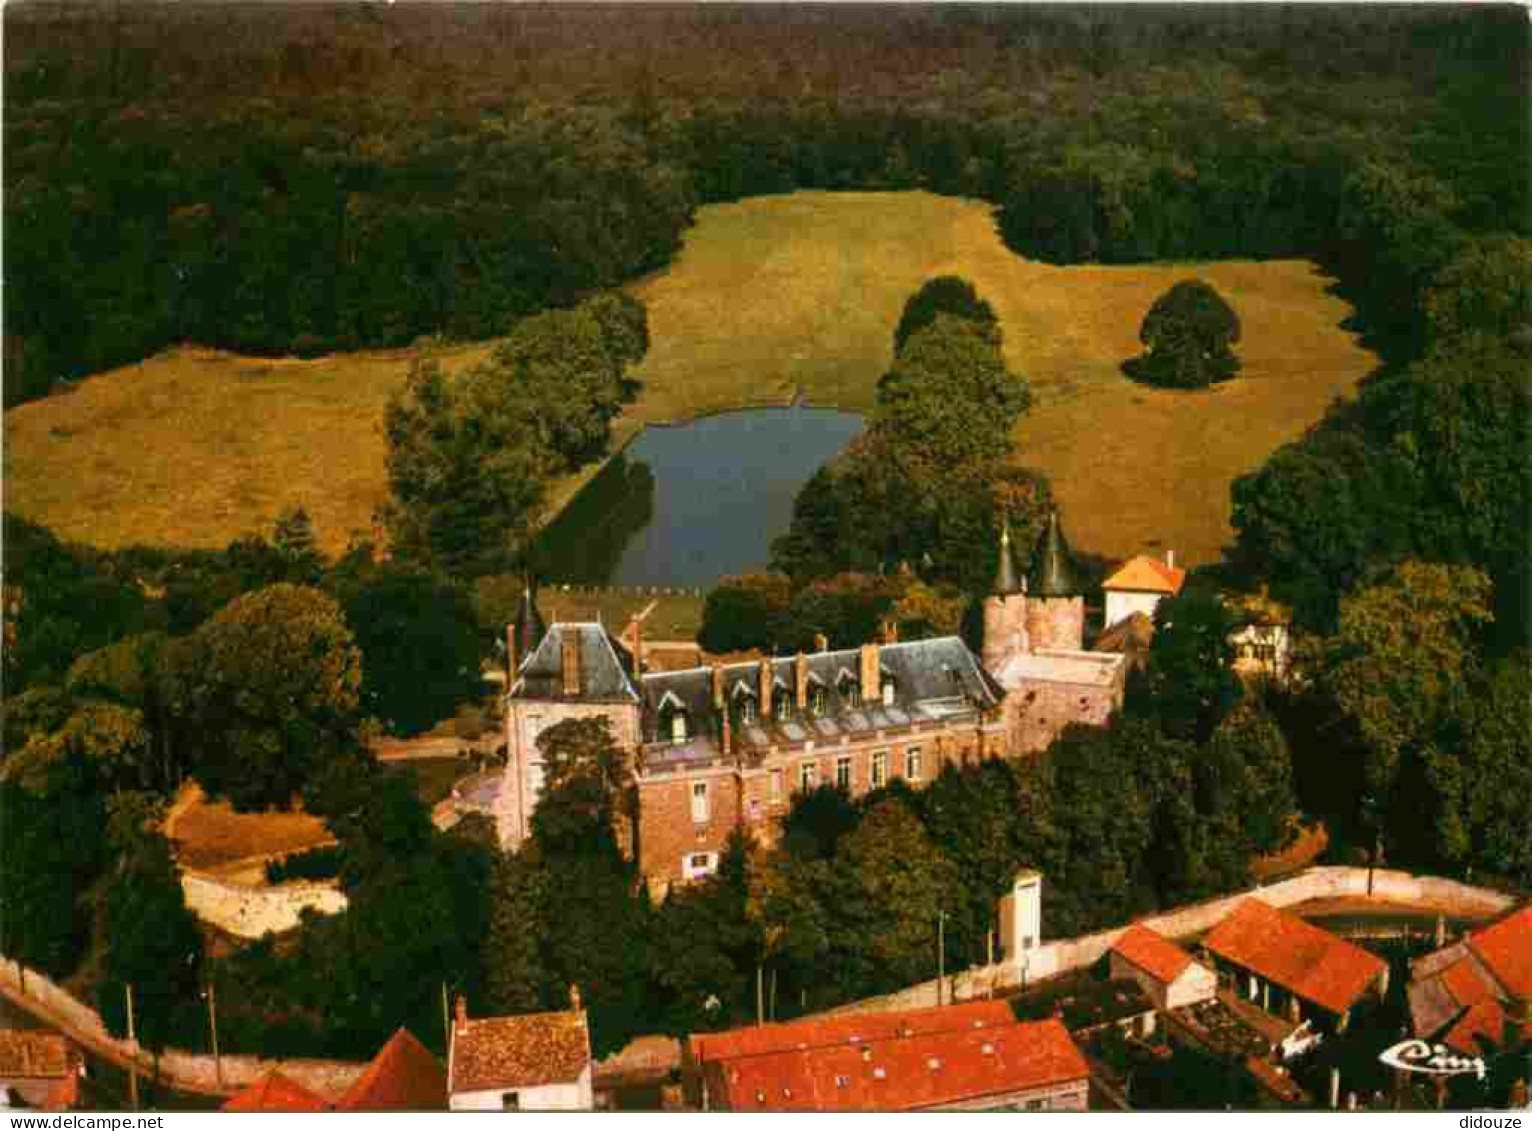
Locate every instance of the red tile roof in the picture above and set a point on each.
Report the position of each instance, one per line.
(1314, 964)
(903, 1073)
(275, 1092)
(850, 1027)
(404, 1076)
(1482, 1028)
(1506, 948)
(1146, 575)
(1152, 953)
(517, 1052)
(1465, 983)
(35, 1054)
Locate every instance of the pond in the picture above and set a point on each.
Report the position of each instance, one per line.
(686, 504)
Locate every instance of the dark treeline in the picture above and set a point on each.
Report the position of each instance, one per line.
(300, 179)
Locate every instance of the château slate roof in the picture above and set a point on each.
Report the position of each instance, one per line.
(604, 667)
(1053, 572)
(529, 628)
(1007, 578)
(932, 679)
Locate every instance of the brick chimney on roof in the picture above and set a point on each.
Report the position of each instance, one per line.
(821, 642)
(460, 1012)
(801, 682)
(872, 690)
(766, 689)
(569, 663)
(717, 674)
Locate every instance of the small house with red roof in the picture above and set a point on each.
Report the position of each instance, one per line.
(403, 1076)
(529, 1062)
(276, 1092)
(1170, 976)
(1139, 585)
(1476, 995)
(1294, 969)
(1008, 1065)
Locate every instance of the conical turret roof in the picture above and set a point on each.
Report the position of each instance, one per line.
(530, 628)
(1053, 568)
(1007, 576)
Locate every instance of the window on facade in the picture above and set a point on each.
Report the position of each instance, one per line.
(776, 784)
(912, 763)
(510, 1101)
(888, 693)
(843, 773)
(879, 769)
(699, 802)
(699, 864)
(678, 728)
(808, 774)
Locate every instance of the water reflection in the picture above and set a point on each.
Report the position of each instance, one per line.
(686, 504)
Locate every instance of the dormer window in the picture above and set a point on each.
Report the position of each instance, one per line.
(817, 700)
(745, 707)
(888, 692)
(850, 691)
(678, 728)
(782, 704)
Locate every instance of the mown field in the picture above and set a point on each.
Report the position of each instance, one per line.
(771, 297)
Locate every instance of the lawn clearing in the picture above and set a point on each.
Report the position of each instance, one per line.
(210, 835)
(770, 298)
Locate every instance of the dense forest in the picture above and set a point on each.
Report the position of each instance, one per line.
(279, 179)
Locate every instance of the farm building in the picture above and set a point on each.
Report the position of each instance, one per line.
(1139, 585)
(531, 1062)
(1168, 974)
(40, 1069)
(403, 1076)
(1476, 995)
(1294, 969)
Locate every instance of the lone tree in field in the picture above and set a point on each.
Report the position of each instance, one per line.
(1187, 336)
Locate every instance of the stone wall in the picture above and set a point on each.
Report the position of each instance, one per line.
(183, 1071)
(1064, 955)
(1038, 711)
(249, 912)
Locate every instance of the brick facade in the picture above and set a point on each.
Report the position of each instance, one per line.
(1055, 622)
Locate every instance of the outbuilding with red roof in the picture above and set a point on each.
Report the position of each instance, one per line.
(403, 1076)
(1169, 975)
(1010, 1066)
(1291, 967)
(276, 1092)
(1139, 585)
(1476, 995)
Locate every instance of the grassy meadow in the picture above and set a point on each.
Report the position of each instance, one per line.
(770, 297)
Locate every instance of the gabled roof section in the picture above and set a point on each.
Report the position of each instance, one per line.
(1314, 964)
(275, 1092)
(1506, 948)
(1152, 953)
(403, 1076)
(1053, 572)
(756, 1040)
(905, 1073)
(519, 1052)
(1144, 574)
(1129, 637)
(604, 667)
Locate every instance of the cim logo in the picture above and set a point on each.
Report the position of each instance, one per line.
(1433, 1060)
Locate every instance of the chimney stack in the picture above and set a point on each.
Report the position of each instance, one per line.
(460, 1011)
(872, 691)
(717, 688)
(1170, 558)
(727, 735)
(638, 647)
(570, 663)
(821, 642)
(801, 683)
(890, 631)
(512, 661)
(766, 689)
(574, 997)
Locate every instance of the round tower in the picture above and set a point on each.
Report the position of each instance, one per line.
(1005, 610)
(1055, 597)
